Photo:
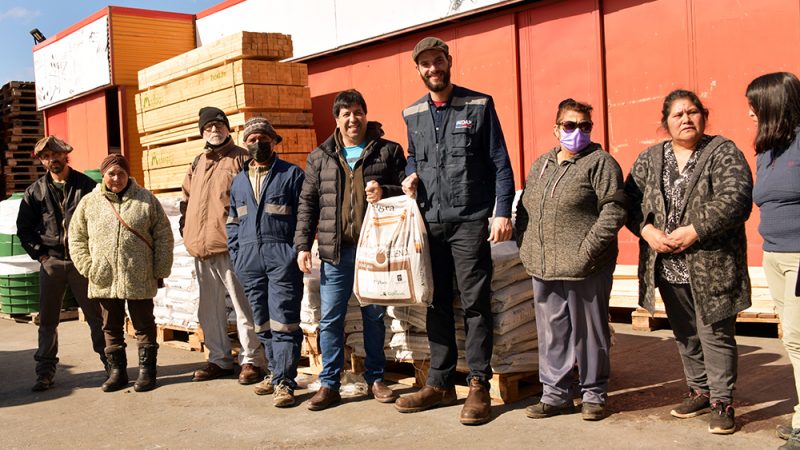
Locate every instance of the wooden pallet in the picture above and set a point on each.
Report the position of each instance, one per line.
(33, 318)
(641, 320)
(505, 387)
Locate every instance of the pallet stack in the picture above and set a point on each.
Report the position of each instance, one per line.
(240, 74)
(21, 127)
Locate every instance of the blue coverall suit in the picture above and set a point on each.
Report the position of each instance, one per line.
(260, 241)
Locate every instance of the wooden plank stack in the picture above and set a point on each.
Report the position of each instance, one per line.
(240, 74)
(21, 127)
(625, 294)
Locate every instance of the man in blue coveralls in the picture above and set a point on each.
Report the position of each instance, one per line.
(261, 225)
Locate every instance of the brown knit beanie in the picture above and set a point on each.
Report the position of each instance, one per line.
(115, 159)
(260, 125)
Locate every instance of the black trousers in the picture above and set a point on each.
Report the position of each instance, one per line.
(461, 249)
(141, 312)
(708, 351)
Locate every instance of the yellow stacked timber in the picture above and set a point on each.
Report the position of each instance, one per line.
(238, 74)
(625, 292)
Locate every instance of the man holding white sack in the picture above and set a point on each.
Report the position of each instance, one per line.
(355, 165)
(458, 166)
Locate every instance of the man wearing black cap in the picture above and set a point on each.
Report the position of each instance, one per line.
(458, 166)
(261, 225)
(44, 216)
(204, 212)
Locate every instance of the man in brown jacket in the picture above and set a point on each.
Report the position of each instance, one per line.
(204, 211)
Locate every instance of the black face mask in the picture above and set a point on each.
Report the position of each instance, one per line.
(260, 151)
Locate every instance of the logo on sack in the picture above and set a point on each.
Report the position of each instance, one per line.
(464, 123)
(382, 208)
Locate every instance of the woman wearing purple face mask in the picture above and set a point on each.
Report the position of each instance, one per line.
(688, 200)
(566, 227)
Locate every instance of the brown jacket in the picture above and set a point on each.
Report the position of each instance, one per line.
(206, 200)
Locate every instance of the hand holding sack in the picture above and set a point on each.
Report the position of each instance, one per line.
(393, 261)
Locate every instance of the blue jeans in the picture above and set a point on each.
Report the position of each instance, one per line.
(336, 287)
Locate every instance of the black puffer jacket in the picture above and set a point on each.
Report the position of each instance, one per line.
(43, 221)
(321, 198)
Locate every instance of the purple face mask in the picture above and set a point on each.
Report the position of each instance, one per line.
(575, 141)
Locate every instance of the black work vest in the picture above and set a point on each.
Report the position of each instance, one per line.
(456, 174)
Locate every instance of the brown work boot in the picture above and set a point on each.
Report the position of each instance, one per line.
(478, 406)
(209, 372)
(382, 392)
(250, 374)
(426, 398)
(324, 398)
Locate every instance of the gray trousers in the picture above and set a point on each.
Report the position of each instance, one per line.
(216, 278)
(54, 277)
(572, 327)
(708, 351)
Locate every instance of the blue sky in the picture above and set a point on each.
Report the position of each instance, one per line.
(17, 18)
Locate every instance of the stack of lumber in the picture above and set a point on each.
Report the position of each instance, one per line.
(240, 74)
(625, 293)
(21, 127)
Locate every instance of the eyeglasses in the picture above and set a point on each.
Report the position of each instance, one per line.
(216, 123)
(570, 126)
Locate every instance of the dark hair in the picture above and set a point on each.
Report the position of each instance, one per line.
(775, 99)
(346, 99)
(678, 94)
(572, 105)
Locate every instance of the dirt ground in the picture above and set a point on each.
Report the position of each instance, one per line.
(647, 380)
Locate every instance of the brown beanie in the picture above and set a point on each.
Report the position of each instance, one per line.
(261, 125)
(115, 159)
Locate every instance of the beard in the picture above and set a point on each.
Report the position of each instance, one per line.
(440, 86)
(56, 167)
(216, 138)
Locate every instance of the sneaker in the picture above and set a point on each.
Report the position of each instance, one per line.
(283, 396)
(593, 411)
(543, 410)
(695, 404)
(784, 432)
(794, 441)
(722, 418)
(264, 387)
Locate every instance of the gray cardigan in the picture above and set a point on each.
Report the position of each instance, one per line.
(718, 202)
(569, 215)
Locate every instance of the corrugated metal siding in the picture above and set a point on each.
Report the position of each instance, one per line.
(138, 42)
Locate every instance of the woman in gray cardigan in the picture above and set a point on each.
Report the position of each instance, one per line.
(689, 198)
(567, 224)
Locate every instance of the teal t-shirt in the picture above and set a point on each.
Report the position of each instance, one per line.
(352, 154)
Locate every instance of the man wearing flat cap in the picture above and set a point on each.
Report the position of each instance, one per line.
(459, 170)
(44, 217)
(204, 213)
(261, 225)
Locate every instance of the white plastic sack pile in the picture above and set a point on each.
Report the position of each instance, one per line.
(393, 264)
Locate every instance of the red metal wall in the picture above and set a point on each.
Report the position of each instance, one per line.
(622, 56)
(713, 47)
(484, 59)
(82, 123)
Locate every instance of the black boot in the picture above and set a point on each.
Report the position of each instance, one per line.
(117, 373)
(104, 360)
(147, 368)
